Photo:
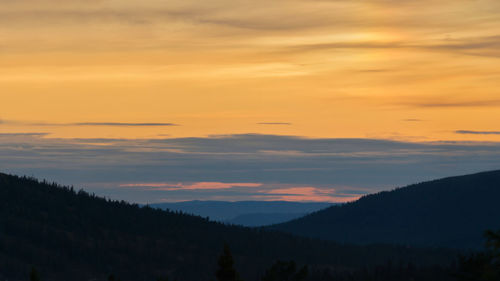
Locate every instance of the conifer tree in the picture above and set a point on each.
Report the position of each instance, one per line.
(34, 275)
(483, 266)
(226, 271)
(113, 278)
(285, 271)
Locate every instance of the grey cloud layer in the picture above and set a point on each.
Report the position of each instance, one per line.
(23, 134)
(356, 163)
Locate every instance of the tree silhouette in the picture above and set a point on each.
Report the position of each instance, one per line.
(285, 271)
(113, 278)
(493, 243)
(34, 275)
(48, 224)
(484, 266)
(226, 271)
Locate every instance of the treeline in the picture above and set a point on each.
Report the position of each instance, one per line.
(72, 235)
(451, 212)
(289, 271)
(482, 266)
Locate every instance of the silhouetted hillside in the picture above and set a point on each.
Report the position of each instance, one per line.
(450, 212)
(263, 219)
(70, 235)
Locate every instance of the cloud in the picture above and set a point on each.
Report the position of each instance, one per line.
(373, 70)
(298, 190)
(254, 191)
(106, 124)
(240, 167)
(192, 186)
(122, 124)
(413, 120)
(8, 122)
(488, 46)
(457, 103)
(242, 15)
(302, 48)
(308, 194)
(468, 132)
(275, 123)
(24, 134)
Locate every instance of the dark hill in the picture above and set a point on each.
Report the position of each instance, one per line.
(263, 219)
(70, 235)
(450, 212)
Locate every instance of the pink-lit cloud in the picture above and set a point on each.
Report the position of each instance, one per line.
(307, 198)
(255, 191)
(193, 186)
(307, 190)
(308, 193)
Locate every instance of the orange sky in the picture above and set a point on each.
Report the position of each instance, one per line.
(406, 70)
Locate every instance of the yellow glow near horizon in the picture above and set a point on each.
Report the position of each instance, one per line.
(418, 70)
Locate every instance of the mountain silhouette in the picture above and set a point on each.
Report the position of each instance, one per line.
(70, 235)
(263, 219)
(450, 212)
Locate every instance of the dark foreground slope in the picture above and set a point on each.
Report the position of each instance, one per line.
(451, 212)
(77, 236)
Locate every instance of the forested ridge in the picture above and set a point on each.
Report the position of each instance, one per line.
(451, 212)
(70, 235)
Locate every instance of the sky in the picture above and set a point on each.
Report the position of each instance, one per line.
(300, 100)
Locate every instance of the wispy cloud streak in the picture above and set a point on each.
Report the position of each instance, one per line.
(275, 123)
(468, 132)
(122, 124)
(432, 103)
(192, 186)
(104, 124)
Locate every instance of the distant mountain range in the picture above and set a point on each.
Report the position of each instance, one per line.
(69, 235)
(247, 213)
(451, 212)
